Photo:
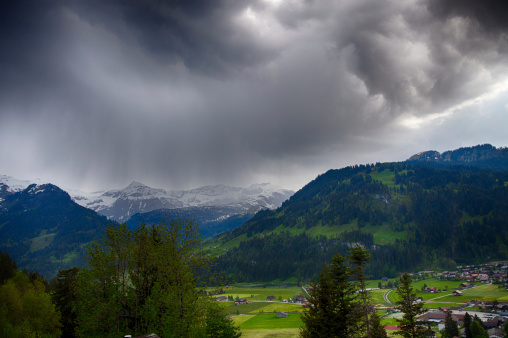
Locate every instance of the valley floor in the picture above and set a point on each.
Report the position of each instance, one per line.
(258, 317)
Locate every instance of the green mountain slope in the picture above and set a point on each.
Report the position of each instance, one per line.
(408, 215)
(44, 230)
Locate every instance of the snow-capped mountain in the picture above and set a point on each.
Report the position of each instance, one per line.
(121, 204)
(10, 185)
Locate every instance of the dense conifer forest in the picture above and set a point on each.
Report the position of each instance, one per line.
(409, 215)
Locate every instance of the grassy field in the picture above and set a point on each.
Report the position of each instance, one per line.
(41, 242)
(260, 321)
(261, 293)
(386, 177)
(265, 321)
(437, 305)
(440, 284)
(484, 292)
(276, 307)
(278, 333)
(377, 298)
(244, 308)
(383, 234)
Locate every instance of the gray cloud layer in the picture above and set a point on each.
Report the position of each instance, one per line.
(185, 93)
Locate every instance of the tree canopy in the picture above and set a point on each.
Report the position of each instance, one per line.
(340, 304)
(143, 281)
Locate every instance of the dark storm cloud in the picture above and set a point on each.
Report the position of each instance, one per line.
(195, 92)
(199, 33)
(490, 14)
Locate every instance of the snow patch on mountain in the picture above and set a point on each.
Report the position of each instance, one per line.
(121, 204)
(13, 185)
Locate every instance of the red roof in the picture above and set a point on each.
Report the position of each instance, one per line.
(391, 327)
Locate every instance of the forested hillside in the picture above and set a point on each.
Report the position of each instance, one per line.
(409, 216)
(44, 230)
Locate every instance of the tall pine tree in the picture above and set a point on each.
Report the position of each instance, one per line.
(409, 328)
(451, 328)
(467, 325)
(358, 258)
(332, 300)
(339, 300)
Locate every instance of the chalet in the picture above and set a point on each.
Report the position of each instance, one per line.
(452, 274)
(495, 333)
(437, 317)
(299, 299)
(271, 298)
(281, 314)
(465, 285)
(242, 301)
(457, 293)
(431, 289)
(221, 298)
(492, 323)
(484, 278)
(384, 279)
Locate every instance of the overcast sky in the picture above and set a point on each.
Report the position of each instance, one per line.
(179, 94)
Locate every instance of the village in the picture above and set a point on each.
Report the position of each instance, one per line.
(479, 290)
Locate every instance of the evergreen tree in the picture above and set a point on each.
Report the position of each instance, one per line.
(409, 328)
(506, 329)
(340, 303)
(64, 296)
(376, 329)
(467, 325)
(451, 328)
(358, 258)
(477, 329)
(7, 267)
(333, 301)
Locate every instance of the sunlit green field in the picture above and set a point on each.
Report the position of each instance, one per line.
(268, 325)
(377, 298)
(259, 319)
(440, 296)
(278, 333)
(484, 292)
(261, 293)
(270, 321)
(244, 308)
(276, 307)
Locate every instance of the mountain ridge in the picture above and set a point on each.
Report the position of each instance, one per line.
(44, 230)
(483, 156)
(120, 204)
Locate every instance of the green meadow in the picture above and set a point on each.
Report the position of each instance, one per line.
(259, 319)
(268, 325)
(261, 293)
(485, 292)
